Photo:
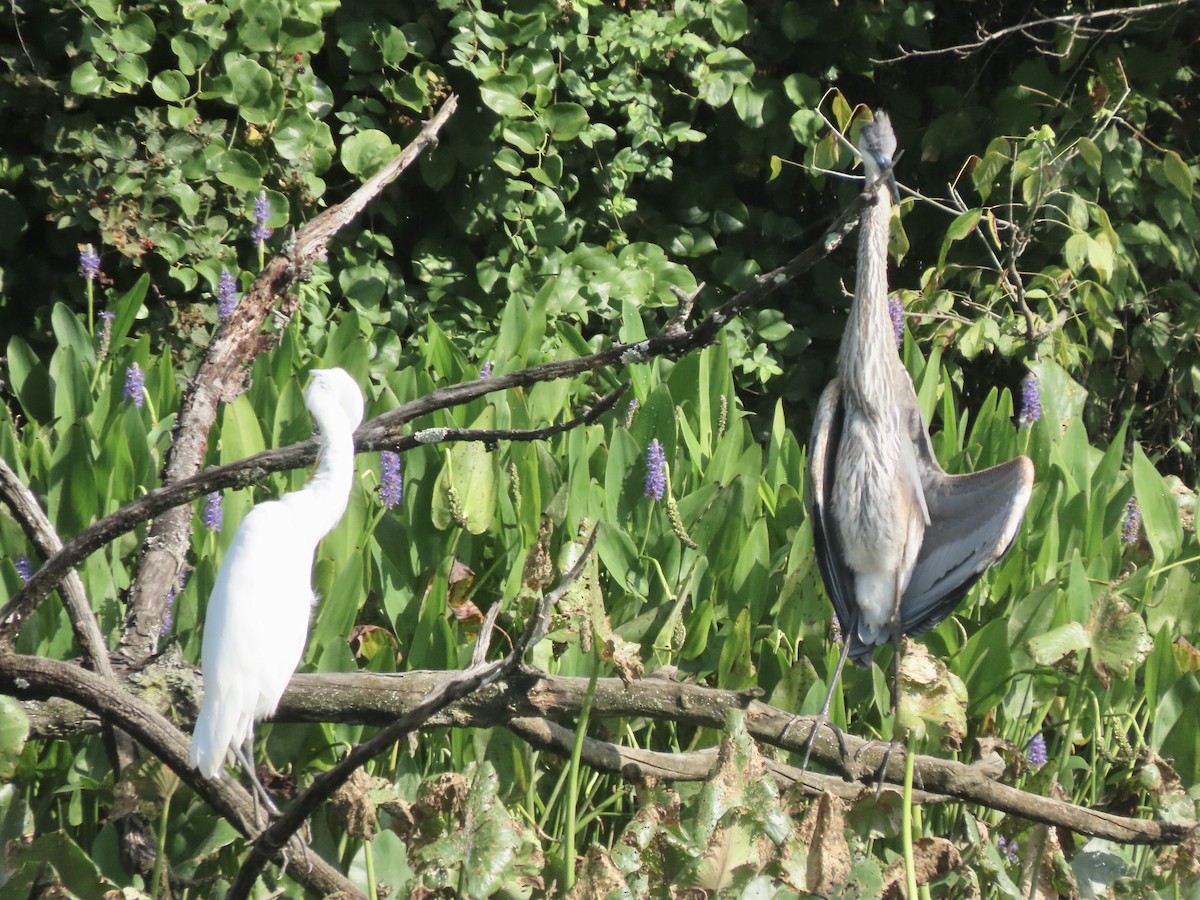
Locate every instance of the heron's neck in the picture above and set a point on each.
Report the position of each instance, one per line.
(868, 351)
(325, 496)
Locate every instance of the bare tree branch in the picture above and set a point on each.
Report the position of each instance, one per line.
(37, 677)
(528, 697)
(1073, 20)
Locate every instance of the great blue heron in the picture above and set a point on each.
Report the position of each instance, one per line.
(257, 620)
(899, 541)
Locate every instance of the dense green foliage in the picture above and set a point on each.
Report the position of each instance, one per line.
(603, 154)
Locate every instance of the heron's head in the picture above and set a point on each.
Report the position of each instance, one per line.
(335, 389)
(877, 144)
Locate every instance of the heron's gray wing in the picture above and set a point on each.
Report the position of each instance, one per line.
(973, 521)
(822, 471)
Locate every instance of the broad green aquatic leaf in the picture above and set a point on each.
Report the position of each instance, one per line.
(465, 492)
(1160, 514)
(1120, 642)
(14, 730)
(1055, 645)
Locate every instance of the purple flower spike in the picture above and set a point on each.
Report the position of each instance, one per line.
(1131, 525)
(1008, 849)
(1031, 400)
(213, 514)
(24, 568)
(89, 263)
(896, 311)
(486, 372)
(262, 212)
(1036, 751)
(227, 298)
(135, 385)
(656, 471)
(391, 483)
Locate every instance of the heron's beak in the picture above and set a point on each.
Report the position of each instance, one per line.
(891, 183)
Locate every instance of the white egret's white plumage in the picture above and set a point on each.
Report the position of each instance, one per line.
(899, 542)
(258, 613)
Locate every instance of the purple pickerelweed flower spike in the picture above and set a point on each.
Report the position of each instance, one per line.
(1131, 525)
(486, 372)
(135, 385)
(89, 263)
(896, 311)
(213, 514)
(1008, 849)
(24, 568)
(1035, 752)
(1031, 400)
(391, 482)
(656, 471)
(262, 212)
(227, 297)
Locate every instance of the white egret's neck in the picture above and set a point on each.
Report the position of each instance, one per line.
(323, 500)
(868, 350)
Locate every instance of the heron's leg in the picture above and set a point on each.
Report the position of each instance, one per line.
(893, 744)
(823, 716)
(245, 757)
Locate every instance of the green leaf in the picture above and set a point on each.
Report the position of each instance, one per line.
(1049, 648)
(240, 170)
(566, 120)
(171, 85)
(503, 93)
(86, 80)
(14, 731)
(465, 492)
(1160, 513)
(1120, 642)
(255, 90)
(363, 154)
(135, 35)
(1178, 175)
(30, 381)
(730, 19)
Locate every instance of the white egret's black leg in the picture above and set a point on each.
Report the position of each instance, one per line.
(245, 757)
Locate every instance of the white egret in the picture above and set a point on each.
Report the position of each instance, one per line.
(258, 613)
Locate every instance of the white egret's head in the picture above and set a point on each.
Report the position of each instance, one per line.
(877, 144)
(335, 389)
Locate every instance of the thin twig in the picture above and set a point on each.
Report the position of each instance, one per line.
(1074, 20)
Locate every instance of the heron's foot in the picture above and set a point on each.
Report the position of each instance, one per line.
(822, 720)
(881, 772)
(304, 855)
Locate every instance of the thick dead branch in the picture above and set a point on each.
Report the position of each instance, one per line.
(36, 677)
(528, 697)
